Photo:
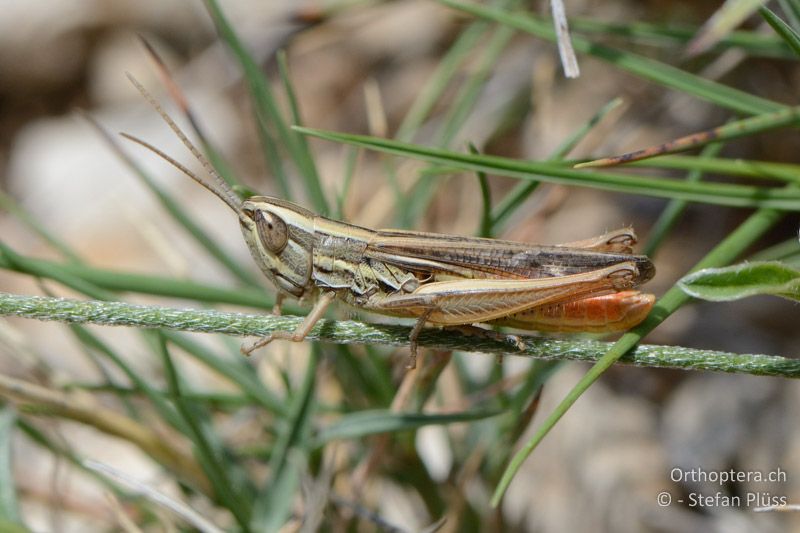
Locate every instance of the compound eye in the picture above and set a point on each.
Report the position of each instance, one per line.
(272, 231)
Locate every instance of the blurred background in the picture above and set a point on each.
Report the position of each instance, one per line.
(359, 66)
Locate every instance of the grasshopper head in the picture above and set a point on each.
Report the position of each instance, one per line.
(280, 236)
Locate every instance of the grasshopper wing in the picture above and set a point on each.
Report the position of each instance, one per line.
(440, 256)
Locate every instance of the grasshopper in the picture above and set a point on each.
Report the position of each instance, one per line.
(441, 279)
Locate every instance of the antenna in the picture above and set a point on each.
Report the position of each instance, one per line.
(229, 201)
(219, 187)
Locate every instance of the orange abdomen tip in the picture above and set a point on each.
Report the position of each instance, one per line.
(609, 313)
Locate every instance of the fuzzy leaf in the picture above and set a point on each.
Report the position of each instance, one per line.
(743, 280)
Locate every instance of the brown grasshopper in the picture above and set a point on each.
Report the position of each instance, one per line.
(446, 280)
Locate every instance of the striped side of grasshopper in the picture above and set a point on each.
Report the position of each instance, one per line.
(440, 279)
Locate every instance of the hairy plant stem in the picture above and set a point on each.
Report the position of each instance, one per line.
(350, 332)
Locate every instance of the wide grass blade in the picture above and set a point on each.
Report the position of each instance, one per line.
(464, 102)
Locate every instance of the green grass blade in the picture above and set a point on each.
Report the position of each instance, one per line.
(711, 193)
(267, 107)
(785, 31)
(522, 191)
(57, 272)
(723, 21)
(209, 454)
(778, 252)
(767, 170)
(272, 156)
(569, 144)
(237, 371)
(70, 276)
(11, 527)
(60, 451)
(485, 227)
(670, 37)
(10, 205)
(646, 68)
(110, 280)
(351, 159)
(98, 349)
(435, 87)
(670, 215)
(259, 87)
(733, 130)
(9, 508)
(724, 253)
(424, 190)
(367, 376)
(74, 277)
(310, 176)
(179, 214)
(371, 422)
(220, 164)
(522, 405)
(274, 504)
(163, 408)
(213, 155)
(792, 10)
(537, 376)
(109, 381)
(468, 94)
